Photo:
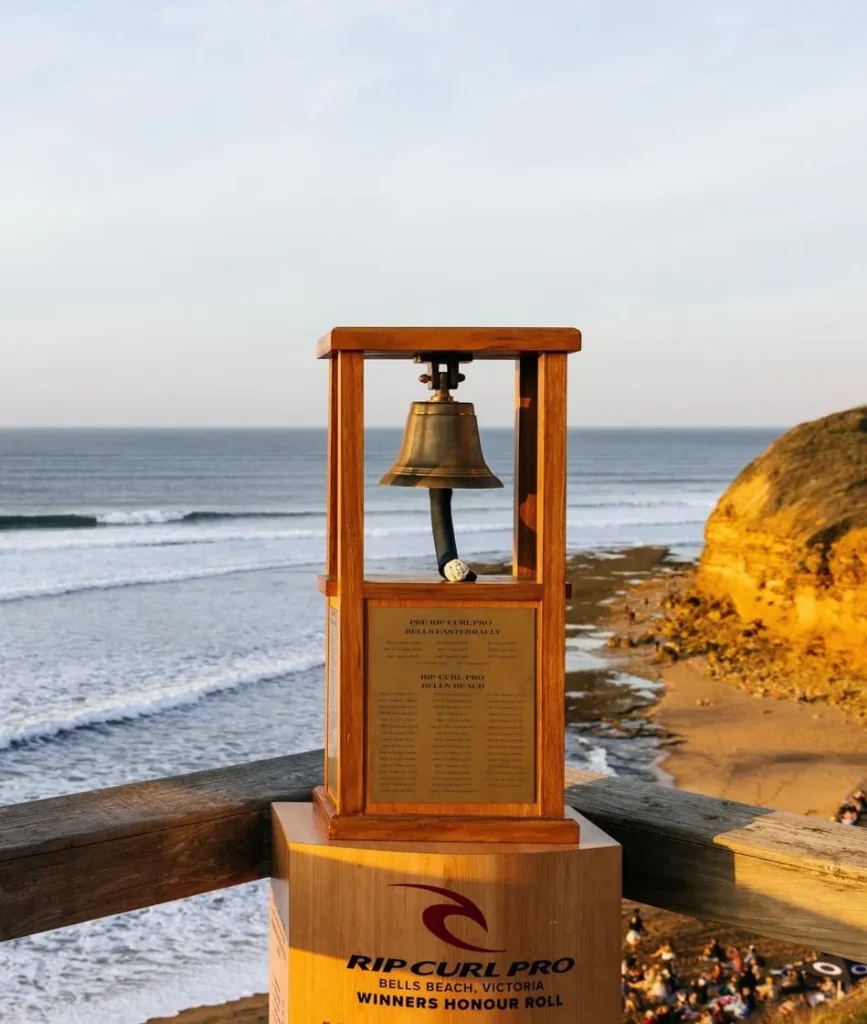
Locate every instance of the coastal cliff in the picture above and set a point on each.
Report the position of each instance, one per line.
(787, 543)
(779, 601)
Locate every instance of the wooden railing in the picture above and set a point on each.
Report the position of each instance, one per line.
(79, 857)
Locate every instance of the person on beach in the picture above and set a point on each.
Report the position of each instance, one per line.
(631, 1004)
(769, 990)
(853, 811)
(665, 952)
(749, 1000)
(691, 1009)
(736, 959)
(655, 986)
(670, 983)
(715, 980)
(733, 989)
(717, 1014)
(752, 959)
(636, 930)
(713, 951)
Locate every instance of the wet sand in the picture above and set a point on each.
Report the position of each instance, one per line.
(724, 741)
(782, 754)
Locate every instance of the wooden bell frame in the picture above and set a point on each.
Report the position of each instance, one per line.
(538, 581)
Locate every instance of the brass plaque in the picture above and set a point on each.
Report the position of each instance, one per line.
(331, 705)
(452, 705)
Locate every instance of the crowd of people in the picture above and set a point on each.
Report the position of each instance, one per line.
(728, 983)
(853, 810)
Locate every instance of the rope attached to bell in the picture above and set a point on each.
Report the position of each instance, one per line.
(449, 565)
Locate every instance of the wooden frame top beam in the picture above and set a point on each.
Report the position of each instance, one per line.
(480, 342)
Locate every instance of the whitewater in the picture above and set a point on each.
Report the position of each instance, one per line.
(159, 614)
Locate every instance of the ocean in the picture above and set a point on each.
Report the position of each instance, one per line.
(159, 614)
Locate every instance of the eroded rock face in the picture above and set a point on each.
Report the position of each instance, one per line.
(787, 542)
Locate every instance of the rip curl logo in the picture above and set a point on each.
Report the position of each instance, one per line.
(434, 917)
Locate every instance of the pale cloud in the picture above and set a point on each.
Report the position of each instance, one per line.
(193, 190)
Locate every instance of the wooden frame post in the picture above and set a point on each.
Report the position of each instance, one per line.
(526, 477)
(350, 574)
(551, 573)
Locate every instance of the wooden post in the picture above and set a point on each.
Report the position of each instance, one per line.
(332, 667)
(332, 470)
(526, 477)
(551, 573)
(350, 576)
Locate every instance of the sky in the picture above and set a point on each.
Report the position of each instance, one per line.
(193, 191)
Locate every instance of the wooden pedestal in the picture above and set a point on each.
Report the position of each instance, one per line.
(400, 931)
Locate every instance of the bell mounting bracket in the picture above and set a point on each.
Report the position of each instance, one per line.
(446, 379)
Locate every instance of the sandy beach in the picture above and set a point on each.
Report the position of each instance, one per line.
(788, 754)
(717, 739)
(782, 754)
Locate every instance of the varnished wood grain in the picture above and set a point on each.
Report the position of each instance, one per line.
(799, 879)
(332, 696)
(486, 590)
(551, 572)
(431, 586)
(76, 858)
(61, 860)
(350, 575)
(539, 901)
(526, 474)
(331, 480)
(443, 827)
(483, 342)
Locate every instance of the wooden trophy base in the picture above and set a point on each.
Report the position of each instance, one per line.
(386, 932)
(423, 828)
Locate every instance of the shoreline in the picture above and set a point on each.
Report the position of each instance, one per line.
(729, 742)
(708, 736)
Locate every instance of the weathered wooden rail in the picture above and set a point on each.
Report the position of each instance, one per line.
(89, 855)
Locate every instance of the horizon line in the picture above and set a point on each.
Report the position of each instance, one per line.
(392, 426)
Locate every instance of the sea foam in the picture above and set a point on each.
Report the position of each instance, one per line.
(60, 588)
(47, 722)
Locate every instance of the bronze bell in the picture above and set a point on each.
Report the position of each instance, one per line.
(441, 448)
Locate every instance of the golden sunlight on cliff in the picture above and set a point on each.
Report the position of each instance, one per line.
(787, 542)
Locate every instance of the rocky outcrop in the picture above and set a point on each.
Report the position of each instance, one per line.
(778, 604)
(787, 542)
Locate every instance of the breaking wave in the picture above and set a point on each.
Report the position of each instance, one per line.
(161, 517)
(141, 580)
(63, 718)
(136, 517)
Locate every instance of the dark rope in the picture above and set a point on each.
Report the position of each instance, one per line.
(443, 529)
